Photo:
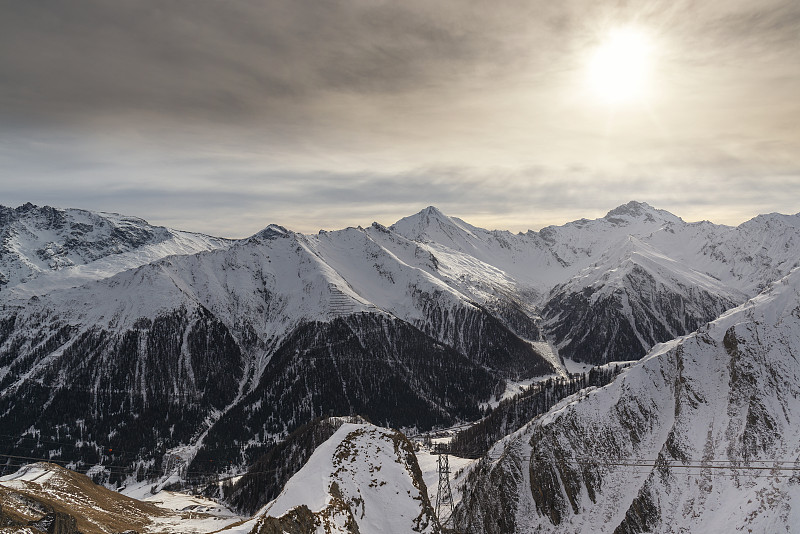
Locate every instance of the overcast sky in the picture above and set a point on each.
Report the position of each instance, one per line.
(224, 116)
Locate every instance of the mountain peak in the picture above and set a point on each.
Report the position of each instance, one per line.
(635, 210)
(396, 501)
(767, 219)
(273, 231)
(433, 211)
(418, 225)
(632, 208)
(431, 224)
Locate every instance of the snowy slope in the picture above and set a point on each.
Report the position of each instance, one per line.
(264, 287)
(663, 279)
(597, 269)
(700, 436)
(431, 257)
(43, 248)
(747, 257)
(525, 258)
(541, 259)
(363, 479)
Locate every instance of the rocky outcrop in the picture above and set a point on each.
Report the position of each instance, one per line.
(363, 479)
(56, 523)
(19, 511)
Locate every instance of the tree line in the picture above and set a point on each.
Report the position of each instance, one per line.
(513, 413)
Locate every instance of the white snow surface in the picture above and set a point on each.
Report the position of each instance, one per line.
(29, 473)
(268, 284)
(736, 262)
(373, 267)
(274, 281)
(193, 514)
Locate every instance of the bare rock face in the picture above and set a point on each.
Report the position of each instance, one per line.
(56, 523)
(24, 511)
(300, 520)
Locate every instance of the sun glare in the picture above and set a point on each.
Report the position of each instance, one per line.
(619, 68)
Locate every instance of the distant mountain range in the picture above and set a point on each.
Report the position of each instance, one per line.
(175, 354)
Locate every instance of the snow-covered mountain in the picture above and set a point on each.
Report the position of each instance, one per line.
(210, 357)
(43, 248)
(633, 297)
(700, 436)
(363, 479)
(610, 288)
(213, 356)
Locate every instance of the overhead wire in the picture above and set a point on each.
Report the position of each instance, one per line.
(704, 468)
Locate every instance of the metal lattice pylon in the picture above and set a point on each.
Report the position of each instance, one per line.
(444, 496)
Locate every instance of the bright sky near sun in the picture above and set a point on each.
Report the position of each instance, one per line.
(223, 117)
(619, 67)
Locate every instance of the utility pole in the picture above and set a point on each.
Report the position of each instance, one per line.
(444, 496)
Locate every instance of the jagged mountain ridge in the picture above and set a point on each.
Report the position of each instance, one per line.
(544, 270)
(745, 258)
(723, 399)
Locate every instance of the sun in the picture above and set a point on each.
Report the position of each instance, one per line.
(619, 69)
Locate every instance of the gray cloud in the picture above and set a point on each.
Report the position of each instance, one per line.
(224, 116)
(233, 61)
(240, 61)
